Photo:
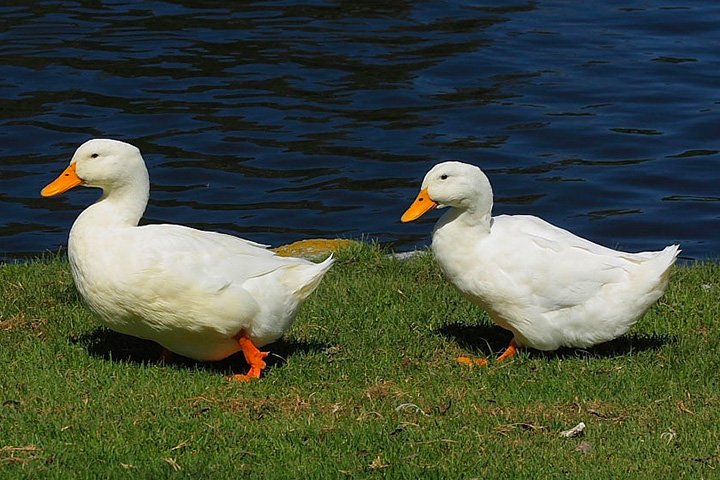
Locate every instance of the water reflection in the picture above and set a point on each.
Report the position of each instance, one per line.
(284, 120)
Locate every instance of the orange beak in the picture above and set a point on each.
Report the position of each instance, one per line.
(67, 180)
(422, 204)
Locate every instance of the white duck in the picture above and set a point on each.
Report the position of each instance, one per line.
(550, 288)
(201, 294)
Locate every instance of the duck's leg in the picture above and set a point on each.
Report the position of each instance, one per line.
(510, 351)
(253, 357)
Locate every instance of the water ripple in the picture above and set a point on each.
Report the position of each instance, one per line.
(283, 120)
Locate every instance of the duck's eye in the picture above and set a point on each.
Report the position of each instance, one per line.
(94, 155)
(443, 177)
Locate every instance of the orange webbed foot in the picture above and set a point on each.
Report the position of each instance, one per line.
(254, 357)
(471, 362)
(510, 351)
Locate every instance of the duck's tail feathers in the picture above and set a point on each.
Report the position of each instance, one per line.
(661, 265)
(307, 277)
(668, 256)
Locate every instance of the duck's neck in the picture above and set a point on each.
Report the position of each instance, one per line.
(455, 239)
(122, 206)
(475, 222)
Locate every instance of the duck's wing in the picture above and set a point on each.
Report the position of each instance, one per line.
(175, 260)
(554, 268)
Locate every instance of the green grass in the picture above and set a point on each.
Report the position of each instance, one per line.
(365, 385)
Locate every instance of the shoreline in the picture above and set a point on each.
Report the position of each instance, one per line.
(311, 249)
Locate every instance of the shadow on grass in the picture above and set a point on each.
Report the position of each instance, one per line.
(489, 340)
(117, 347)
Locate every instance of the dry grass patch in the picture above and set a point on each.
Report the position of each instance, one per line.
(20, 455)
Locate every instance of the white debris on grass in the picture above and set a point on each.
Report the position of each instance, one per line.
(576, 431)
(407, 255)
(411, 406)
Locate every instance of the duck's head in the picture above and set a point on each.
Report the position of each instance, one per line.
(452, 184)
(101, 163)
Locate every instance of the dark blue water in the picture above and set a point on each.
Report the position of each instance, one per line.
(279, 121)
